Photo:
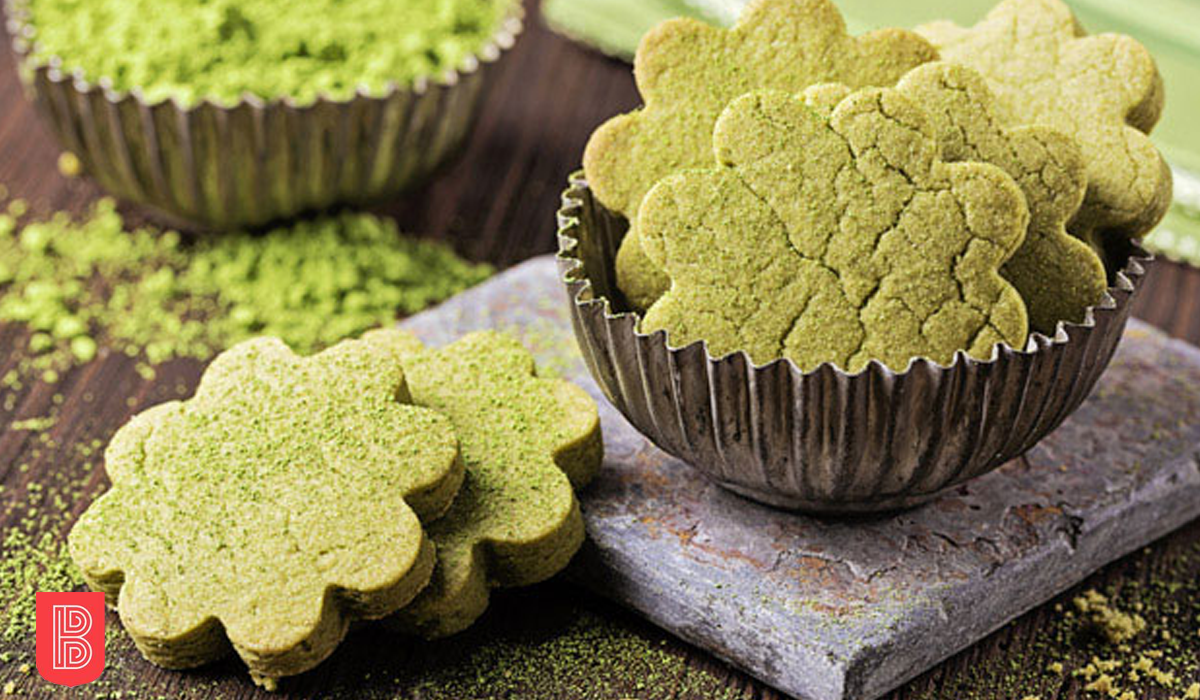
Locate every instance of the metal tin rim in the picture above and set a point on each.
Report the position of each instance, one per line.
(23, 37)
(209, 166)
(642, 374)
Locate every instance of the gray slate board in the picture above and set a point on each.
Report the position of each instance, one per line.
(826, 610)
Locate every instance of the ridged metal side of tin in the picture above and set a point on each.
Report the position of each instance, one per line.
(257, 161)
(827, 441)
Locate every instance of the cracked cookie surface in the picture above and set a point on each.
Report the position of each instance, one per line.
(687, 72)
(835, 235)
(1105, 91)
(278, 504)
(1059, 276)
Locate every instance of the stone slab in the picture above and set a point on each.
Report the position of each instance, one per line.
(833, 610)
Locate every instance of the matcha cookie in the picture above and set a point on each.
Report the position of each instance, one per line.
(526, 442)
(1104, 91)
(688, 71)
(1058, 275)
(270, 510)
(825, 97)
(838, 237)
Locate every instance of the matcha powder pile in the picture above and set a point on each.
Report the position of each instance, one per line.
(83, 285)
(222, 49)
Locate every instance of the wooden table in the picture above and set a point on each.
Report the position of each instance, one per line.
(497, 203)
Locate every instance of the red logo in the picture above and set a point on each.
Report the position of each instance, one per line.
(70, 637)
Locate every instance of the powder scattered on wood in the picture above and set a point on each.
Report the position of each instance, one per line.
(85, 286)
(597, 658)
(69, 165)
(34, 424)
(1117, 626)
(1071, 649)
(30, 564)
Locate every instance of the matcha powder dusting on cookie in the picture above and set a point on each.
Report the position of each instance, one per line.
(220, 50)
(84, 285)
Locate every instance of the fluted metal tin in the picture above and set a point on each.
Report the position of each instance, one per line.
(257, 161)
(827, 441)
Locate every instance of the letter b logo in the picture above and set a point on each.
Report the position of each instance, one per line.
(70, 637)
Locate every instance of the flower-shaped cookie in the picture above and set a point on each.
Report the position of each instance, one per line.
(526, 442)
(1058, 275)
(688, 71)
(271, 509)
(1104, 91)
(835, 237)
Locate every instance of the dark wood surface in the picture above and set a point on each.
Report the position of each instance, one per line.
(497, 203)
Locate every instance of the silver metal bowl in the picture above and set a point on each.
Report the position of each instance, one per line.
(827, 441)
(224, 167)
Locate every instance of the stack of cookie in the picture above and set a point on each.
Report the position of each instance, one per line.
(377, 479)
(796, 192)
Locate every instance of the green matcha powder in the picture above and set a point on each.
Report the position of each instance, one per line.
(87, 284)
(224, 49)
